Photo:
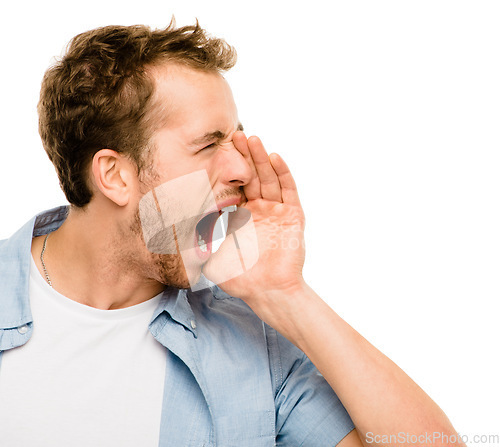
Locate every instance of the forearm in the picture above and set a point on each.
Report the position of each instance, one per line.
(379, 396)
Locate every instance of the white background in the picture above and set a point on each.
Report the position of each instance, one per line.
(388, 114)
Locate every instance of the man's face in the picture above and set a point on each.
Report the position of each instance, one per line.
(197, 171)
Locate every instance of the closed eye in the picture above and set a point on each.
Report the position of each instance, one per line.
(210, 146)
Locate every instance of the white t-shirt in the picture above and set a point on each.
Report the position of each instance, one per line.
(88, 377)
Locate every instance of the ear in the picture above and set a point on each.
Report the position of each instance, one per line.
(113, 175)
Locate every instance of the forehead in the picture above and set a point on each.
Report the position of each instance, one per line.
(193, 100)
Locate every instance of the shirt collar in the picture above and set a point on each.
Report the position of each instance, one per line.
(175, 303)
(15, 259)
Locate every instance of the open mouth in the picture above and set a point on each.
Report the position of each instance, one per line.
(205, 229)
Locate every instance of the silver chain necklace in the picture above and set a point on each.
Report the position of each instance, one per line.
(47, 277)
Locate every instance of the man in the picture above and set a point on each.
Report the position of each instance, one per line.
(109, 333)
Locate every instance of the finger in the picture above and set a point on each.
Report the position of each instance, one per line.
(289, 191)
(240, 142)
(269, 184)
(252, 188)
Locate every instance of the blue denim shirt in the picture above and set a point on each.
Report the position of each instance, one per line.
(232, 380)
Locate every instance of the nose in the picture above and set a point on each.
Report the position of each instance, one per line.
(234, 170)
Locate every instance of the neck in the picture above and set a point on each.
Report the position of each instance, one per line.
(92, 260)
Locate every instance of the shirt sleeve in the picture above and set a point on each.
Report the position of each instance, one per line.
(308, 412)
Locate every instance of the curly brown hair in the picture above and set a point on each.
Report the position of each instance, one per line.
(99, 95)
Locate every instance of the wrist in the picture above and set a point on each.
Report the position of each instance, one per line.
(292, 311)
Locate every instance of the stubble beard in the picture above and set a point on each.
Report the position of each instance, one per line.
(167, 269)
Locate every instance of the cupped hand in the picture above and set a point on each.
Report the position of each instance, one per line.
(264, 253)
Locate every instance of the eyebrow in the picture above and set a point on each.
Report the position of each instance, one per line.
(210, 136)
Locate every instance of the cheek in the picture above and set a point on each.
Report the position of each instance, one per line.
(210, 161)
(221, 158)
(169, 165)
(214, 169)
(207, 161)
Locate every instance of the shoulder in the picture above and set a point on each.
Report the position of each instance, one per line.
(307, 410)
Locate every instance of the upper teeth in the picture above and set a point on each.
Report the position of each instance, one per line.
(229, 208)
